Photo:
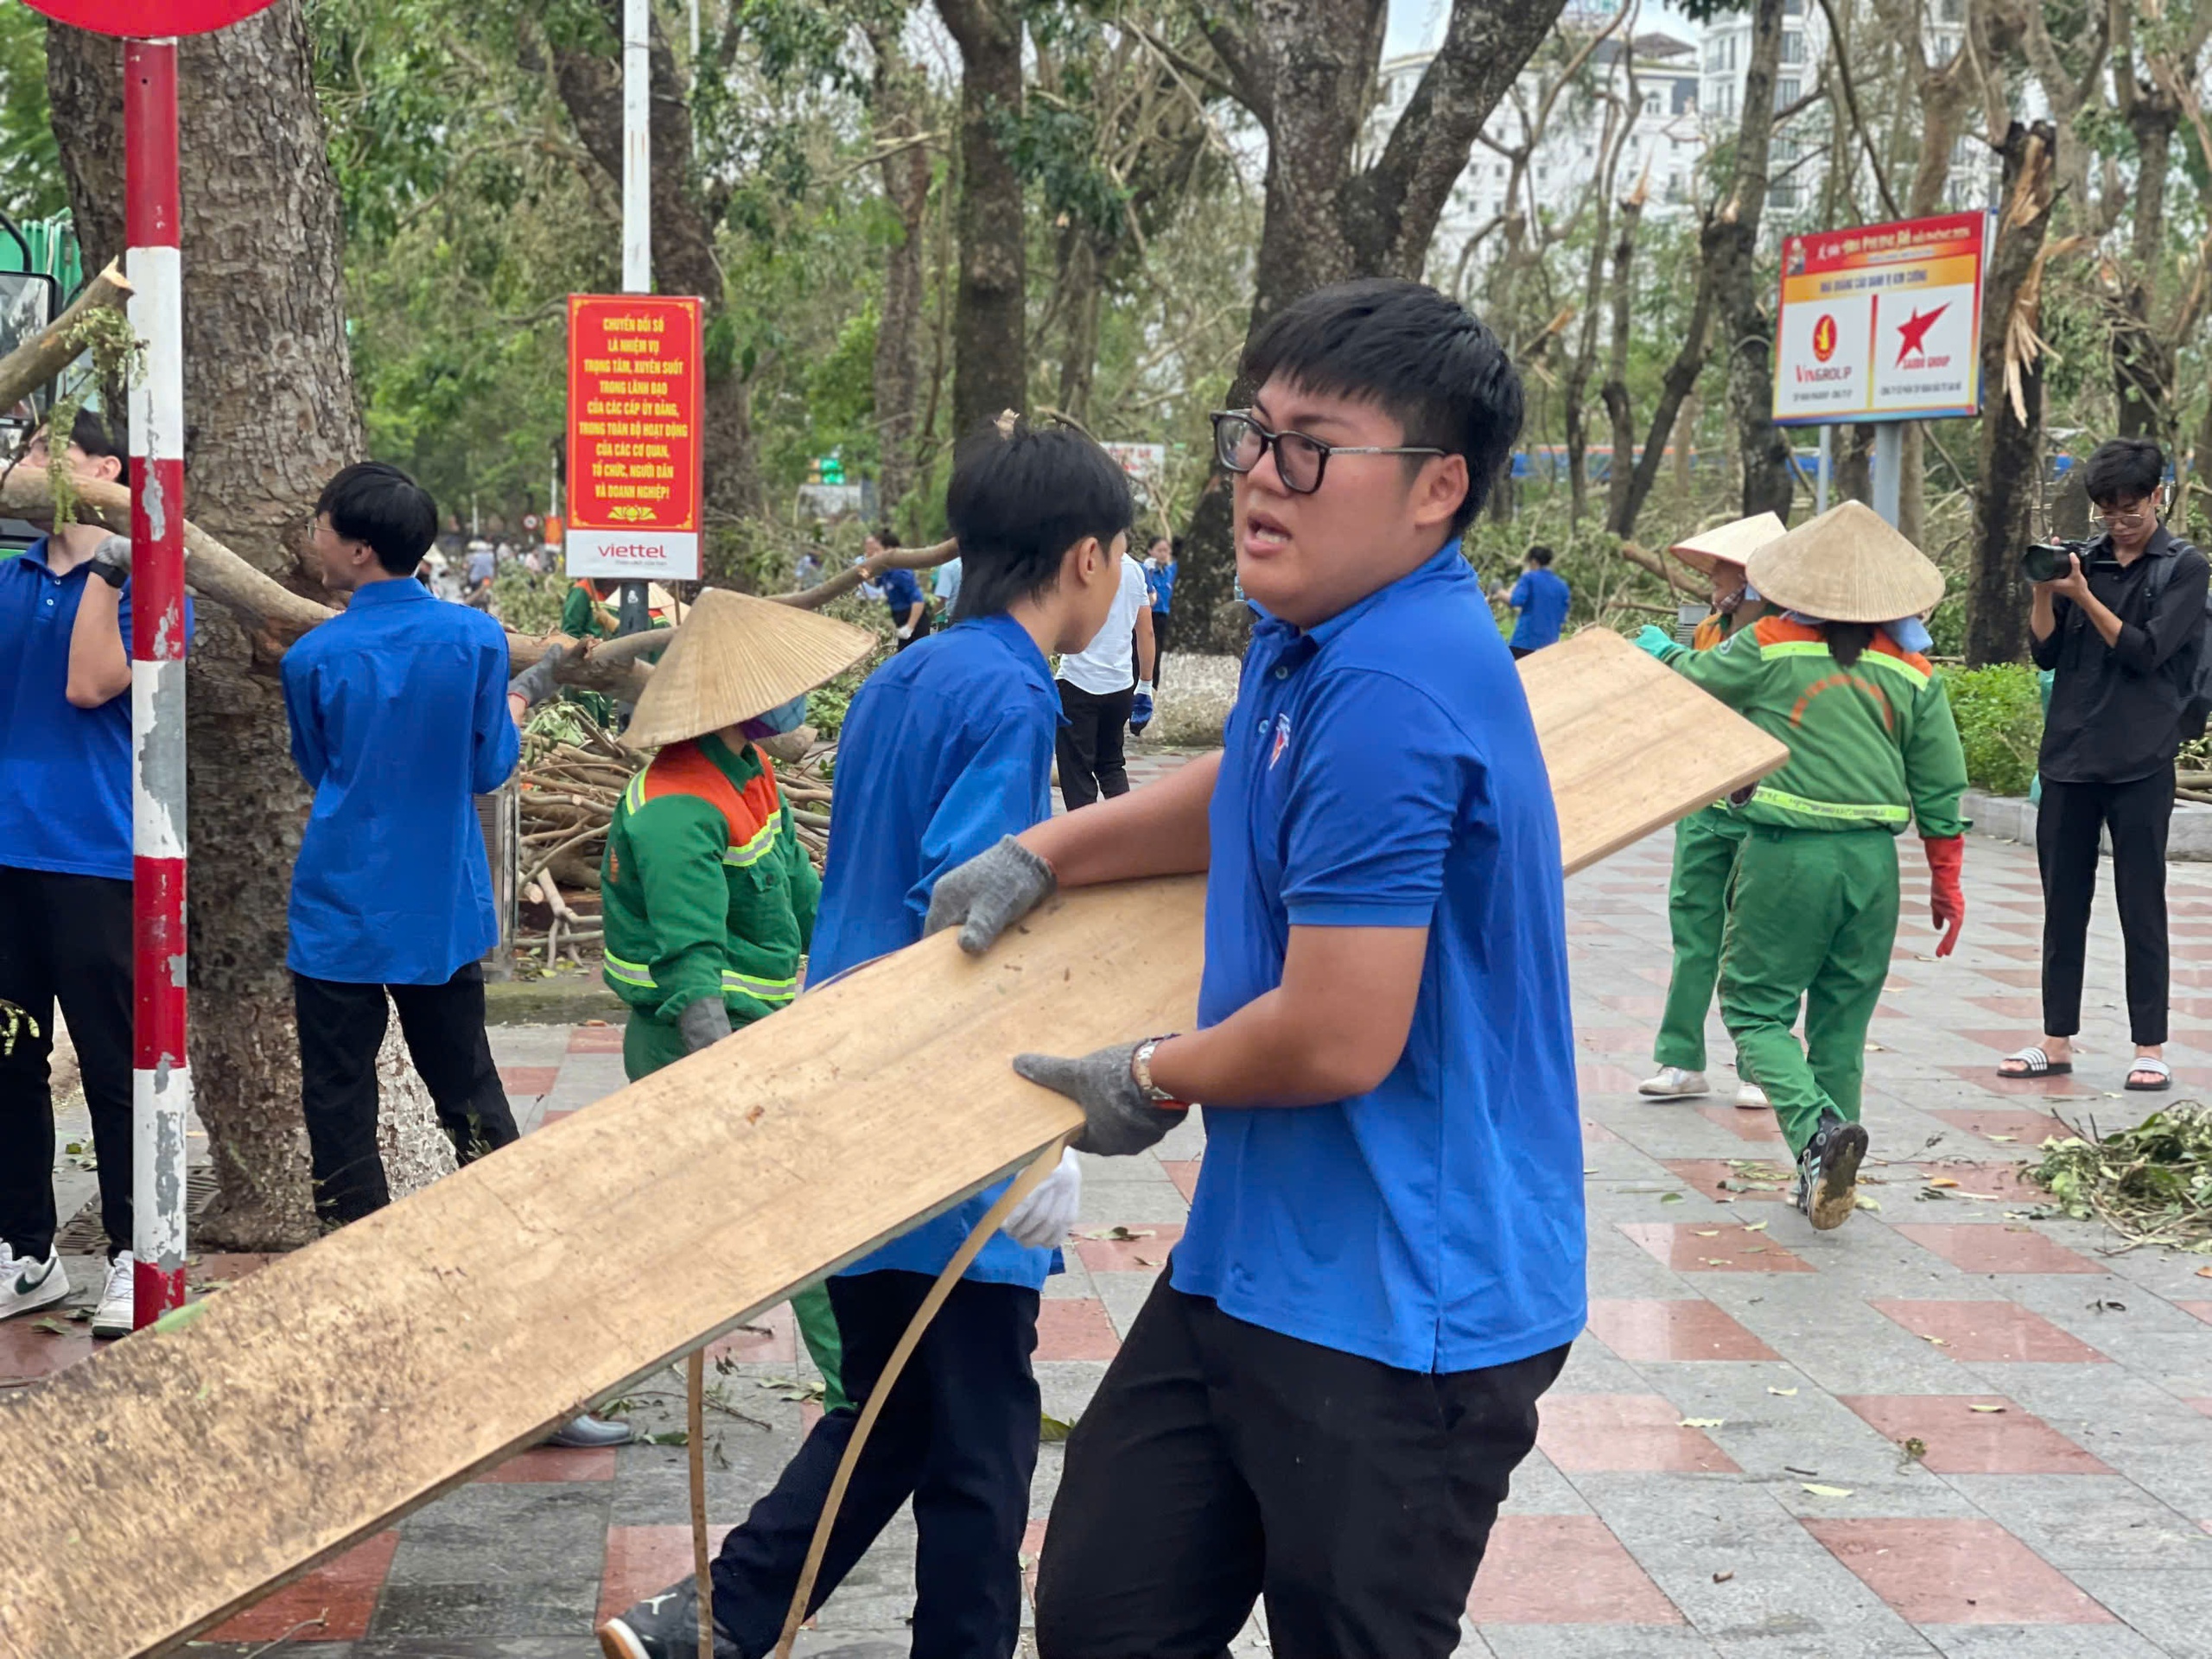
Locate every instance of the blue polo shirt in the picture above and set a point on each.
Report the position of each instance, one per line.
(1160, 580)
(1435, 1223)
(65, 771)
(947, 747)
(902, 591)
(1541, 599)
(398, 710)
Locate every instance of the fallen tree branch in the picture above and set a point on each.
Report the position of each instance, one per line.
(46, 353)
(892, 558)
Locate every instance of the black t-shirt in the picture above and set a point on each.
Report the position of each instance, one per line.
(2115, 711)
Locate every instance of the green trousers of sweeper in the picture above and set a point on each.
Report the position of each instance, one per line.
(1697, 913)
(1810, 927)
(648, 1045)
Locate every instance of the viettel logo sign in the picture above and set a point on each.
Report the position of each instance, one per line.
(1824, 338)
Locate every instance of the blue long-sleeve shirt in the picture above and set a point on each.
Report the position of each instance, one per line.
(947, 748)
(398, 711)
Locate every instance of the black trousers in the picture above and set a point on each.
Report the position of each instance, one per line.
(1221, 1462)
(342, 1026)
(1163, 625)
(1090, 745)
(2068, 824)
(958, 1435)
(66, 940)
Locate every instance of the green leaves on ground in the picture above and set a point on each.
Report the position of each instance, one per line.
(2151, 1184)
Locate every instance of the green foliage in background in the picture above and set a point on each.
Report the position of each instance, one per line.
(2000, 711)
(30, 162)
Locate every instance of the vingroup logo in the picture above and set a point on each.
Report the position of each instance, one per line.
(1824, 338)
(1282, 742)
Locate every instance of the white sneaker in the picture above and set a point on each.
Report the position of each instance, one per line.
(118, 1302)
(1674, 1083)
(30, 1283)
(1750, 1097)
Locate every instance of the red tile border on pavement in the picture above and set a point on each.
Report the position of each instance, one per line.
(1593, 1433)
(1986, 1178)
(1989, 1332)
(1072, 1327)
(642, 1561)
(528, 1080)
(767, 1339)
(1706, 1174)
(29, 1350)
(2009, 1126)
(1758, 1127)
(1144, 1251)
(334, 1601)
(1563, 1569)
(595, 1039)
(1975, 1434)
(1640, 1328)
(548, 1464)
(1687, 1248)
(1995, 1247)
(1184, 1171)
(1956, 1572)
(2201, 1310)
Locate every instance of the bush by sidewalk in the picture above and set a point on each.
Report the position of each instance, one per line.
(2000, 711)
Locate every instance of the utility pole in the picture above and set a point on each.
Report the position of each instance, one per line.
(635, 614)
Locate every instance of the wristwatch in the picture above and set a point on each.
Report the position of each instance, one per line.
(1140, 1071)
(113, 571)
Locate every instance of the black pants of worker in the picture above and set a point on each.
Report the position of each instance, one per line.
(342, 1026)
(2068, 826)
(1090, 744)
(921, 629)
(958, 1435)
(66, 940)
(1163, 625)
(1221, 1462)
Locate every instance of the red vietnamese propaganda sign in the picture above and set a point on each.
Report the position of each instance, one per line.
(636, 391)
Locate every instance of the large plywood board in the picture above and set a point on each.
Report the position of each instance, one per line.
(186, 1470)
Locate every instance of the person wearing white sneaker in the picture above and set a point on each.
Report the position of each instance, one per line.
(1675, 1083)
(29, 1281)
(1750, 1097)
(113, 1316)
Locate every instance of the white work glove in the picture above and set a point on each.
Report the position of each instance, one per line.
(1041, 1221)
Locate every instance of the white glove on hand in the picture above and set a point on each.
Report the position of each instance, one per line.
(1041, 1221)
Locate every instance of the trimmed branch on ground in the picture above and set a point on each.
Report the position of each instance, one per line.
(46, 353)
(892, 558)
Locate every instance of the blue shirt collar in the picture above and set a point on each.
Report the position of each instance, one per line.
(1445, 563)
(1012, 636)
(396, 591)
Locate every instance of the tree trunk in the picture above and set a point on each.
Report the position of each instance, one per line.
(2142, 362)
(589, 76)
(990, 359)
(1080, 297)
(899, 114)
(1729, 242)
(269, 395)
(1614, 390)
(1677, 383)
(2011, 469)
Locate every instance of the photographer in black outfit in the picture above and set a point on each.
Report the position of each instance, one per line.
(2120, 626)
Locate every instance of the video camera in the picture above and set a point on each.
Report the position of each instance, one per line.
(2046, 561)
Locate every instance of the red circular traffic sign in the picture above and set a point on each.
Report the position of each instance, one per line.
(150, 20)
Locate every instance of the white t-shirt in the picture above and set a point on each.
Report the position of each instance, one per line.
(1109, 663)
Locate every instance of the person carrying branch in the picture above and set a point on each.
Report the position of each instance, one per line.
(947, 749)
(1324, 1397)
(1839, 678)
(707, 895)
(1705, 842)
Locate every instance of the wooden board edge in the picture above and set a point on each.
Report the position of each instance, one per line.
(1749, 776)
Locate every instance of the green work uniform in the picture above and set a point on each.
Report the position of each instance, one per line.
(707, 891)
(579, 620)
(1813, 914)
(1697, 910)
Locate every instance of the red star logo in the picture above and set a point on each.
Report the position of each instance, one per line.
(1912, 333)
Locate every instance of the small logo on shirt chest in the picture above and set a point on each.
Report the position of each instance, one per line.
(1281, 740)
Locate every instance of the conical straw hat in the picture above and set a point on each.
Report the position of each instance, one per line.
(1730, 544)
(735, 657)
(1847, 565)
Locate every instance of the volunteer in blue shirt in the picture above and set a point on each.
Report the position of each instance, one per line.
(902, 593)
(1322, 1399)
(65, 876)
(399, 711)
(947, 750)
(1541, 598)
(1162, 561)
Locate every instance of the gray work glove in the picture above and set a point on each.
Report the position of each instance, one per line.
(989, 893)
(535, 683)
(703, 1023)
(111, 561)
(1117, 1119)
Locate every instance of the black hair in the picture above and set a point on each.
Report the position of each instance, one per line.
(1019, 500)
(886, 537)
(1849, 640)
(374, 502)
(1175, 548)
(2124, 469)
(89, 433)
(1540, 555)
(1425, 360)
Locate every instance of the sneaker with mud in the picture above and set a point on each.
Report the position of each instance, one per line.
(665, 1626)
(32, 1283)
(1827, 1173)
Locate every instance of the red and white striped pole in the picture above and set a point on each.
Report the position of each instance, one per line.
(162, 1095)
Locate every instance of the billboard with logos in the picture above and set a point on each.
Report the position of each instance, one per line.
(635, 392)
(1882, 322)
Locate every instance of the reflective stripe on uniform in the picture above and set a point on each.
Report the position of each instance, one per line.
(755, 850)
(1870, 658)
(762, 990)
(1763, 796)
(630, 973)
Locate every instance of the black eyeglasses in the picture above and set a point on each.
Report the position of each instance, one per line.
(1239, 442)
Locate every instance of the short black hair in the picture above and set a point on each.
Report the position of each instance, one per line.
(886, 537)
(1540, 555)
(1425, 360)
(1019, 500)
(2124, 469)
(374, 502)
(89, 433)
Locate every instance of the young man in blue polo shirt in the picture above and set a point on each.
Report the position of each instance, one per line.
(1324, 1398)
(65, 875)
(1541, 597)
(947, 750)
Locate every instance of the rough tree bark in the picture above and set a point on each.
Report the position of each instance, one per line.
(269, 398)
(1675, 387)
(589, 77)
(1613, 391)
(900, 92)
(1305, 70)
(2011, 470)
(1729, 240)
(990, 354)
